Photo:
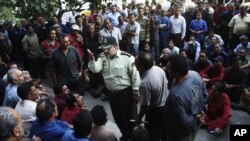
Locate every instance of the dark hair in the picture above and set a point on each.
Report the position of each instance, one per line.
(99, 115)
(82, 123)
(28, 26)
(23, 90)
(145, 60)
(204, 51)
(78, 16)
(58, 89)
(182, 50)
(140, 134)
(12, 63)
(45, 113)
(70, 100)
(179, 64)
(219, 86)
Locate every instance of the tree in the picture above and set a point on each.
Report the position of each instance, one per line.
(33, 8)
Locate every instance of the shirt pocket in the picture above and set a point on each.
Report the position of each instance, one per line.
(120, 71)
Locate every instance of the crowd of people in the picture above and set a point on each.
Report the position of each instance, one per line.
(186, 68)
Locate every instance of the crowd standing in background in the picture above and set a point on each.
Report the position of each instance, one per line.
(184, 65)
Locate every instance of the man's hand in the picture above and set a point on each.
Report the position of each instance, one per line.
(136, 97)
(91, 55)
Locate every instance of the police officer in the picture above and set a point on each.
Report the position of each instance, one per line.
(122, 81)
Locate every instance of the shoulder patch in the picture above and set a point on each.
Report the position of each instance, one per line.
(101, 55)
(125, 53)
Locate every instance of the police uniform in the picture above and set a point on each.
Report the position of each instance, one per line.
(122, 80)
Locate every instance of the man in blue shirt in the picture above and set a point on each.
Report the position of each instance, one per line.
(47, 127)
(15, 78)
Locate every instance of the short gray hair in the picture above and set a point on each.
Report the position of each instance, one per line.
(7, 123)
(11, 75)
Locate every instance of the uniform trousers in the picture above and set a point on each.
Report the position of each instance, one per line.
(121, 103)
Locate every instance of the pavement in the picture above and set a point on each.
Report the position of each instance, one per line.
(237, 118)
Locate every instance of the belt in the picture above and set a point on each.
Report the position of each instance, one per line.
(118, 91)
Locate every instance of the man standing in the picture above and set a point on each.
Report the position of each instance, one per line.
(66, 65)
(114, 15)
(32, 49)
(145, 28)
(122, 80)
(154, 92)
(185, 102)
(178, 28)
(109, 30)
(133, 32)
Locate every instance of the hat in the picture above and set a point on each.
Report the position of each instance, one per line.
(107, 42)
(218, 58)
(75, 27)
(243, 37)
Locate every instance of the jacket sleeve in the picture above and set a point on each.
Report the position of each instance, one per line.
(224, 119)
(203, 73)
(218, 78)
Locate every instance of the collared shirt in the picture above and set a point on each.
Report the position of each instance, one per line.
(75, 43)
(27, 109)
(145, 28)
(119, 72)
(208, 40)
(104, 16)
(49, 130)
(240, 25)
(10, 97)
(114, 17)
(115, 33)
(240, 46)
(154, 87)
(31, 46)
(122, 28)
(178, 25)
(133, 28)
(48, 48)
(66, 67)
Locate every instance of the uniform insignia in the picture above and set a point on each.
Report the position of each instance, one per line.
(104, 63)
(125, 53)
(105, 41)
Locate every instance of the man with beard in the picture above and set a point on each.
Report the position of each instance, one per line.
(66, 65)
(122, 80)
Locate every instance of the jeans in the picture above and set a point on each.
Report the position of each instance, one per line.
(133, 49)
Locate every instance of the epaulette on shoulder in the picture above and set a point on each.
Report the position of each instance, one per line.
(125, 53)
(101, 55)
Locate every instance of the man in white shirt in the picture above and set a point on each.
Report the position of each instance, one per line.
(178, 27)
(109, 30)
(27, 106)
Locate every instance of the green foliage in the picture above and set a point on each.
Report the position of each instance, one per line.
(6, 14)
(33, 8)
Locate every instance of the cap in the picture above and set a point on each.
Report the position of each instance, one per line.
(243, 37)
(75, 27)
(218, 58)
(107, 42)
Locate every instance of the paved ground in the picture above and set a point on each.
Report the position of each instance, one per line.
(238, 117)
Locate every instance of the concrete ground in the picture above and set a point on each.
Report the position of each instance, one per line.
(238, 117)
